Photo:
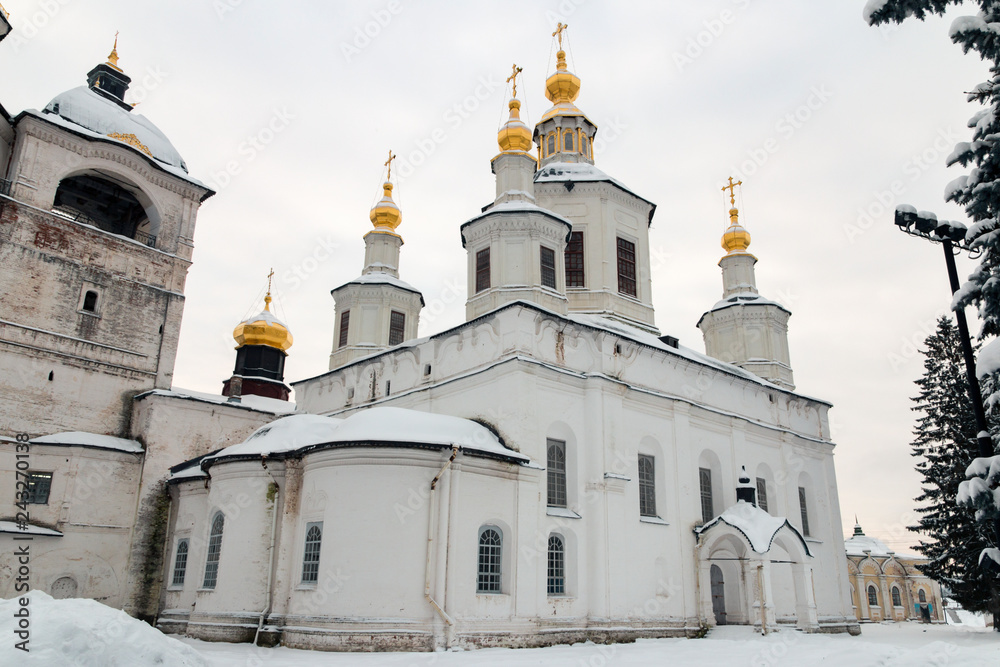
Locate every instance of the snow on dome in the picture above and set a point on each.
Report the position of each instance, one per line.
(83, 107)
(375, 425)
(89, 440)
(573, 171)
(86, 633)
(757, 526)
(743, 298)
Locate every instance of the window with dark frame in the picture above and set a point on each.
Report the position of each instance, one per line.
(345, 321)
(180, 563)
(547, 259)
(574, 260)
(550, 145)
(39, 485)
(921, 596)
(705, 485)
(482, 270)
(556, 571)
(762, 493)
(647, 486)
(310, 556)
(397, 323)
(556, 473)
(804, 510)
(214, 551)
(490, 567)
(872, 597)
(626, 267)
(896, 600)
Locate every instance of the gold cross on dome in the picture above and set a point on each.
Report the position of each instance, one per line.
(388, 164)
(512, 79)
(559, 31)
(732, 190)
(269, 277)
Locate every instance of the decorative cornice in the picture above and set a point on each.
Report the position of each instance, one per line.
(531, 222)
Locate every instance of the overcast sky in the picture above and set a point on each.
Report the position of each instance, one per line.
(289, 111)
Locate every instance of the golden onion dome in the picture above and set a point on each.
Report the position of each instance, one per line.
(263, 329)
(514, 135)
(563, 87)
(736, 238)
(386, 216)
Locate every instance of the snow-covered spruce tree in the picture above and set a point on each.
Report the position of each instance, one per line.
(945, 444)
(979, 193)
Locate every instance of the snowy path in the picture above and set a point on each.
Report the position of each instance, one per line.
(901, 645)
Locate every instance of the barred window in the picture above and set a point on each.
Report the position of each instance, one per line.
(647, 486)
(397, 323)
(310, 557)
(707, 504)
(872, 596)
(574, 260)
(557, 566)
(345, 321)
(482, 270)
(214, 550)
(896, 601)
(548, 261)
(180, 563)
(762, 493)
(490, 560)
(556, 472)
(39, 484)
(626, 267)
(804, 510)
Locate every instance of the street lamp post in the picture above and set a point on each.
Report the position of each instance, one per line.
(951, 235)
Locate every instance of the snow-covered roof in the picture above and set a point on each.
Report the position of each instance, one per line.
(755, 524)
(381, 278)
(30, 529)
(247, 401)
(580, 172)
(858, 544)
(88, 113)
(380, 426)
(517, 206)
(745, 298)
(94, 440)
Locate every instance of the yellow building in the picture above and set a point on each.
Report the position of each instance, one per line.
(888, 586)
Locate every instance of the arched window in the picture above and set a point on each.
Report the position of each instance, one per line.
(556, 473)
(568, 140)
(214, 550)
(584, 145)
(490, 560)
(90, 301)
(922, 596)
(705, 489)
(310, 557)
(180, 563)
(896, 601)
(872, 596)
(550, 146)
(557, 566)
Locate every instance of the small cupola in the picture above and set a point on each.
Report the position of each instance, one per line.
(109, 81)
(745, 490)
(262, 342)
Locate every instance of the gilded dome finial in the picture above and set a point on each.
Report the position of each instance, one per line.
(559, 31)
(267, 297)
(385, 215)
(113, 56)
(263, 328)
(736, 238)
(563, 86)
(514, 135)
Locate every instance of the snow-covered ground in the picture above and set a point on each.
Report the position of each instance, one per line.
(84, 633)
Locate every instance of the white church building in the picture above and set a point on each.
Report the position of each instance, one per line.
(551, 470)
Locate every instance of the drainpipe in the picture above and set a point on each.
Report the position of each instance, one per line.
(763, 598)
(270, 556)
(431, 521)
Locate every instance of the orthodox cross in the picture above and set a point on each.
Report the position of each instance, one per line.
(269, 276)
(732, 188)
(512, 79)
(558, 32)
(388, 164)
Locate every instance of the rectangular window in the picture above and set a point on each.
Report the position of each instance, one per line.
(345, 321)
(705, 483)
(180, 563)
(482, 270)
(397, 323)
(626, 267)
(556, 470)
(804, 510)
(310, 557)
(39, 484)
(647, 486)
(762, 493)
(574, 260)
(548, 262)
